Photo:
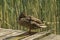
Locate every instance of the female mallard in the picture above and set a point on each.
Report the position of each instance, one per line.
(30, 22)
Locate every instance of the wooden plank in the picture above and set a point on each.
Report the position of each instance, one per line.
(13, 34)
(37, 35)
(51, 37)
(6, 33)
(57, 37)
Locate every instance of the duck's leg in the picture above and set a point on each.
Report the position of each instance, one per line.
(29, 30)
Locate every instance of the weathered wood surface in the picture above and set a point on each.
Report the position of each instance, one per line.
(5, 33)
(37, 35)
(51, 37)
(48, 37)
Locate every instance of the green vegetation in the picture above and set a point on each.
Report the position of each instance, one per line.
(46, 10)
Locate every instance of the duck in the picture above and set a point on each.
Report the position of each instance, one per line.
(30, 22)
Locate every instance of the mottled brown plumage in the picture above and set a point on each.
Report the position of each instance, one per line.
(30, 22)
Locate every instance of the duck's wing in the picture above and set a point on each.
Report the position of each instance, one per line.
(38, 25)
(37, 22)
(35, 19)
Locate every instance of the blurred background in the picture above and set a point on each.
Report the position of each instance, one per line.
(46, 10)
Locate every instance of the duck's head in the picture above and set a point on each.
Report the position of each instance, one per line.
(22, 15)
